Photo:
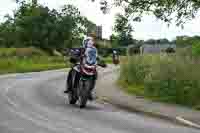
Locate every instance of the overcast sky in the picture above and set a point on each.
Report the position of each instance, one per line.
(148, 28)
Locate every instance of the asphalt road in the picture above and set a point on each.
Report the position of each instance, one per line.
(34, 103)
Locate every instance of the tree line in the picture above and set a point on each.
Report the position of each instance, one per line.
(39, 26)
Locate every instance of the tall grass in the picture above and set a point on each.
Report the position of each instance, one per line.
(168, 78)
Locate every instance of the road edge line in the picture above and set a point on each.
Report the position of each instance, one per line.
(187, 122)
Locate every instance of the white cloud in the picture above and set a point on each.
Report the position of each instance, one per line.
(152, 28)
(148, 28)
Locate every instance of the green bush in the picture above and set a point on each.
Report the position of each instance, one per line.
(168, 78)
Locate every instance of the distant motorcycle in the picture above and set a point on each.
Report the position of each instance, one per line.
(88, 74)
(115, 58)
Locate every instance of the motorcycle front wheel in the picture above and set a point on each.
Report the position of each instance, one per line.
(84, 88)
(72, 95)
(71, 98)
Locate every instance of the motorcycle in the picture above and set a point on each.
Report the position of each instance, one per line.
(115, 58)
(86, 83)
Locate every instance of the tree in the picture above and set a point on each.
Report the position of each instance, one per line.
(34, 2)
(114, 41)
(124, 30)
(196, 48)
(178, 11)
(186, 40)
(7, 33)
(166, 10)
(170, 50)
(122, 25)
(164, 41)
(44, 28)
(157, 41)
(150, 41)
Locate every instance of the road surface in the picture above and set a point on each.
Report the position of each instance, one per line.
(34, 103)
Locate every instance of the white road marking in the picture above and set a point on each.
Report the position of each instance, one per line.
(8, 99)
(188, 122)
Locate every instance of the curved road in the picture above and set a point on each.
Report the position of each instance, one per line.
(34, 103)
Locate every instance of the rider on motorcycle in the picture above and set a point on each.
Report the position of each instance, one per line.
(115, 57)
(88, 47)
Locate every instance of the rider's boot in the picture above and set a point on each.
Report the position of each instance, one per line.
(69, 82)
(66, 91)
(90, 97)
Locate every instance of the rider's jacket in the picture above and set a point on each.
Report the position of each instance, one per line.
(90, 53)
(86, 55)
(90, 56)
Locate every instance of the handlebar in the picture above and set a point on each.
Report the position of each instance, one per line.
(102, 65)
